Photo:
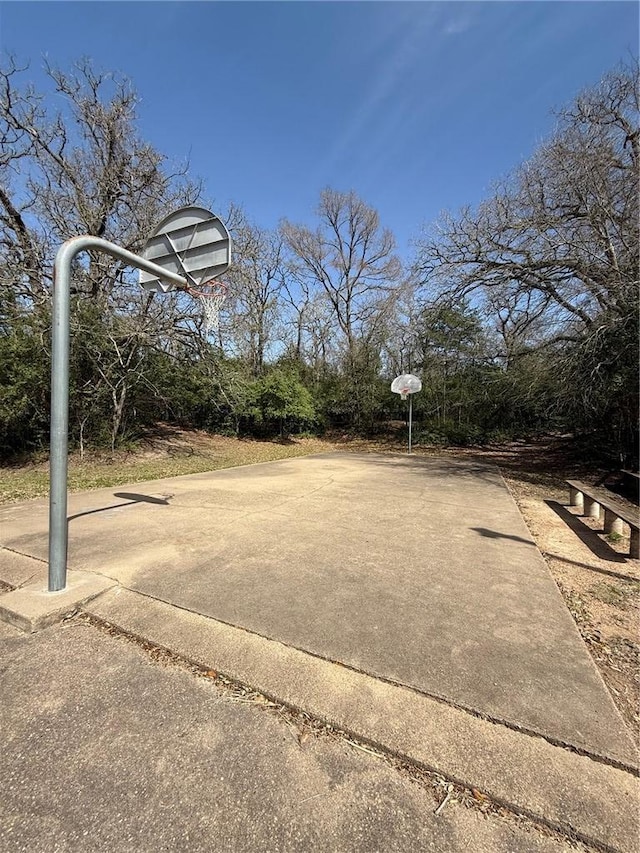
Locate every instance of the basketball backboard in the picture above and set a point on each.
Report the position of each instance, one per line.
(192, 242)
(405, 384)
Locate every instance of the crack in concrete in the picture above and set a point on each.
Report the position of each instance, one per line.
(601, 759)
(471, 798)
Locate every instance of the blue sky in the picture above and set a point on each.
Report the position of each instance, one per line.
(418, 107)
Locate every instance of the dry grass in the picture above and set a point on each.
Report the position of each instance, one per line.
(168, 453)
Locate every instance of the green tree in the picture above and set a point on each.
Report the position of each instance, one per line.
(24, 387)
(281, 403)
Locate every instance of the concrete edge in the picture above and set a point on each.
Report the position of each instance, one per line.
(18, 569)
(541, 556)
(32, 607)
(588, 800)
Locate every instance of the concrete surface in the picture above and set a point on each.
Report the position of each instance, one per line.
(103, 750)
(32, 607)
(573, 793)
(418, 571)
(19, 569)
(399, 599)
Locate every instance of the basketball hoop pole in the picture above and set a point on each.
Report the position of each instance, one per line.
(59, 443)
(410, 417)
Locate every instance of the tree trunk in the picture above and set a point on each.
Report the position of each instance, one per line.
(118, 410)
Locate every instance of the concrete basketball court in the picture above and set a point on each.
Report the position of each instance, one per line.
(416, 571)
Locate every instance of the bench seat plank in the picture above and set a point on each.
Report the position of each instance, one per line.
(606, 502)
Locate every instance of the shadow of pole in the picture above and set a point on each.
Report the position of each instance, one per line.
(131, 498)
(493, 534)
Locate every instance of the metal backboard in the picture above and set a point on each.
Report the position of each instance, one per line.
(192, 242)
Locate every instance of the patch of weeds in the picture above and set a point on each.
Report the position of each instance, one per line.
(616, 594)
(613, 536)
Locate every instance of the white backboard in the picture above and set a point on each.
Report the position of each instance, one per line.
(407, 383)
(192, 242)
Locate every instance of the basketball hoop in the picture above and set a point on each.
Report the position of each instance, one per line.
(211, 295)
(406, 385)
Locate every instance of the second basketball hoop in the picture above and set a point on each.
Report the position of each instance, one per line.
(407, 384)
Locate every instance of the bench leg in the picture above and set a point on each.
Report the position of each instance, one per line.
(591, 507)
(634, 549)
(575, 497)
(612, 524)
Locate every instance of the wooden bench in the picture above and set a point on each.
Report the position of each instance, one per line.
(592, 500)
(631, 482)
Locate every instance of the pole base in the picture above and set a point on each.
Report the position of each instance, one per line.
(31, 608)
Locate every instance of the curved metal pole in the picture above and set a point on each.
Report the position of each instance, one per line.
(58, 534)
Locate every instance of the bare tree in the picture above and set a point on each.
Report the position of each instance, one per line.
(257, 279)
(350, 257)
(74, 164)
(401, 345)
(84, 171)
(307, 322)
(554, 252)
(564, 227)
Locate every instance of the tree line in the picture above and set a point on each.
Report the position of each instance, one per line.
(520, 315)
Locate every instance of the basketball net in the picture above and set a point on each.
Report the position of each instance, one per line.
(404, 394)
(211, 295)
